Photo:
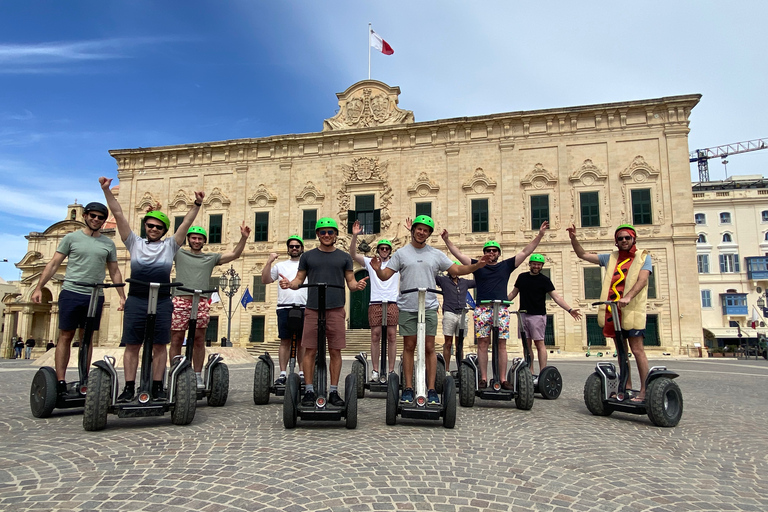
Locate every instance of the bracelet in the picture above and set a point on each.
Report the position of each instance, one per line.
(198, 204)
(570, 310)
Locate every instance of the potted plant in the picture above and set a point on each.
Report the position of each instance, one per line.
(717, 352)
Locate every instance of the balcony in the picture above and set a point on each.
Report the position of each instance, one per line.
(757, 268)
(734, 304)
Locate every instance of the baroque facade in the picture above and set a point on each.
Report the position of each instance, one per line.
(485, 177)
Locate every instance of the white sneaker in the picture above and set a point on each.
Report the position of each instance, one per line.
(535, 381)
(374, 375)
(200, 383)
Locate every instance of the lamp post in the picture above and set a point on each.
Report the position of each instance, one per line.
(229, 283)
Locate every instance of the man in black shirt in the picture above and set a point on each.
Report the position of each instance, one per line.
(533, 288)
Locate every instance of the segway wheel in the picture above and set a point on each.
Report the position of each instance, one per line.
(593, 396)
(261, 383)
(291, 401)
(42, 395)
(393, 396)
(466, 386)
(219, 385)
(550, 383)
(185, 401)
(97, 399)
(524, 398)
(350, 392)
(449, 402)
(358, 369)
(665, 402)
(440, 375)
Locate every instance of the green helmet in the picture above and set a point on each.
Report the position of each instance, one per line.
(326, 222)
(536, 258)
(626, 226)
(492, 243)
(426, 220)
(157, 214)
(383, 242)
(294, 237)
(197, 230)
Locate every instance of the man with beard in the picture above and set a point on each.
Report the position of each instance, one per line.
(324, 264)
(626, 282)
(492, 281)
(533, 287)
(194, 269)
(89, 253)
(285, 299)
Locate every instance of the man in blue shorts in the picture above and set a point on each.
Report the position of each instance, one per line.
(455, 291)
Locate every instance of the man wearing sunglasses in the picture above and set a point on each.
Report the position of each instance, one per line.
(285, 299)
(626, 281)
(151, 262)
(89, 254)
(492, 281)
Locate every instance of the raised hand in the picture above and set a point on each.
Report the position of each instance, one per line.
(285, 283)
(571, 231)
(362, 283)
(544, 227)
(357, 228)
(105, 183)
(245, 231)
(199, 196)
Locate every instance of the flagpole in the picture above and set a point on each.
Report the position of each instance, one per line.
(369, 51)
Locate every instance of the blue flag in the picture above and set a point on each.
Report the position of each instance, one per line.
(470, 300)
(246, 298)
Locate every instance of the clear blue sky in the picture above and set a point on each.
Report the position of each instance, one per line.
(78, 78)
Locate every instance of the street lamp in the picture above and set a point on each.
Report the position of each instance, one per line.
(229, 283)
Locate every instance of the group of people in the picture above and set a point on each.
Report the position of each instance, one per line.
(415, 265)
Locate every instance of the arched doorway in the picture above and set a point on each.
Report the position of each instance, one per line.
(358, 304)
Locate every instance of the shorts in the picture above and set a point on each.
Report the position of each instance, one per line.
(633, 333)
(73, 310)
(284, 324)
(484, 322)
(135, 320)
(375, 314)
(335, 328)
(182, 307)
(535, 326)
(409, 322)
(451, 324)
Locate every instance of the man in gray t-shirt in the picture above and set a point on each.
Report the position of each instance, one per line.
(194, 269)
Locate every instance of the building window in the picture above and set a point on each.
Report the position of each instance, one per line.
(177, 220)
(652, 284)
(592, 283)
(641, 206)
(423, 209)
(547, 272)
(212, 332)
(729, 263)
(727, 238)
(725, 218)
(702, 239)
(214, 229)
(261, 227)
(549, 331)
(479, 215)
(590, 209)
(257, 329)
(366, 213)
(308, 223)
(700, 218)
(594, 332)
(259, 291)
(703, 262)
(651, 331)
(706, 298)
(764, 215)
(539, 210)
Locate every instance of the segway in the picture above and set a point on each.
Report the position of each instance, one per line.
(360, 364)
(548, 383)
(264, 374)
(456, 374)
(321, 410)
(103, 382)
(43, 396)
(519, 374)
(606, 389)
(419, 408)
(215, 372)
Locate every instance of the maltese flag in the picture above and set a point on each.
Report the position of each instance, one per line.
(755, 317)
(214, 298)
(380, 44)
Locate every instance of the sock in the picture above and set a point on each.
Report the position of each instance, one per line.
(199, 375)
(282, 373)
(334, 388)
(130, 384)
(308, 388)
(157, 384)
(301, 373)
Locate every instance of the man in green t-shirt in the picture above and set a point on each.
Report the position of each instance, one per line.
(194, 269)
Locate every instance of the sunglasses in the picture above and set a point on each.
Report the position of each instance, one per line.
(324, 232)
(491, 250)
(154, 226)
(622, 238)
(294, 247)
(97, 216)
(385, 248)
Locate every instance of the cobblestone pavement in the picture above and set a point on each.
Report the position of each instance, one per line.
(555, 457)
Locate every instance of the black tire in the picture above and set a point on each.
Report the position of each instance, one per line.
(664, 402)
(593, 396)
(350, 390)
(449, 402)
(550, 383)
(185, 398)
(439, 376)
(466, 386)
(358, 369)
(291, 401)
(261, 377)
(524, 398)
(42, 395)
(219, 385)
(393, 397)
(97, 399)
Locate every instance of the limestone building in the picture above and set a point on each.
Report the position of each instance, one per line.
(494, 176)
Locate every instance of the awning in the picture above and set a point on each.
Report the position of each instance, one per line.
(733, 332)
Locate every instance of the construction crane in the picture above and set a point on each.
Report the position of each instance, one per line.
(702, 156)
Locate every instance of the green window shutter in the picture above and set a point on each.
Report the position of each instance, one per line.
(261, 227)
(641, 206)
(539, 210)
(590, 209)
(214, 229)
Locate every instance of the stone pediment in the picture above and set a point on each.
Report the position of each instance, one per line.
(588, 173)
(63, 227)
(181, 201)
(423, 186)
(479, 182)
(216, 199)
(366, 104)
(639, 171)
(147, 203)
(310, 194)
(262, 197)
(539, 177)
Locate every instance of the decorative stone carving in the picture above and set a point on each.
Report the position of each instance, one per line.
(368, 103)
(588, 173)
(364, 169)
(148, 202)
(639, 171)
(479, 182)
(366, 173)
(310, 194)
(423, 186)
(180, 201)
(217, 199)
(262, 197)
(539, 178)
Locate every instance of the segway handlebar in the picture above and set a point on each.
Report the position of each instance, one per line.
(318, 285)
(501, 302)
(97, 285)
(162, 285)
(411, 290)
(190, 290)
(607, 302)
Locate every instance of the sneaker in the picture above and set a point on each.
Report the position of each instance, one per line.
(507, 385)
(159, 394)
(200, 383)
(335, 400)
(61, 387)
(309, 399)
(482, 384)
(126, 395)
(535, 381)
(432, 397)
(281, 380)
(374, 376)
(407, 396)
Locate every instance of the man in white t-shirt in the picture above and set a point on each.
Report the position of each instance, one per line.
(285, 299)
(380, 291)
